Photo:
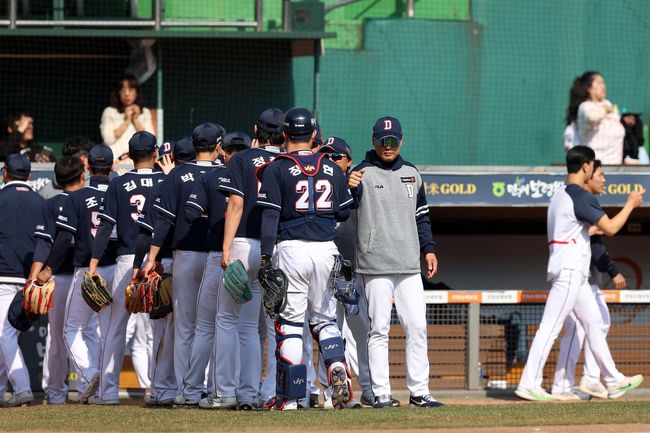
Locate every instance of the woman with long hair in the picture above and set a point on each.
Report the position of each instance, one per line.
(597, 121)
(125, 116)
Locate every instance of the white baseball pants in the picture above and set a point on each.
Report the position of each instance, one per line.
(571, 344)
(81, 327)
(408, 292)
(161, 368)
(237, 325)
(139, 337)
(570, 292)
(112, 325)
(10, 353)
(188, 272)
(200, 354)
(55, 362)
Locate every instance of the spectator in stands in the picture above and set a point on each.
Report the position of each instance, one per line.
(598, 121)
(78, 146)
(124, 117)
(19, 126)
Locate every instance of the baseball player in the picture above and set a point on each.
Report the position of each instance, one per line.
(79, 220)
(215, 303)
(304, 195)
(572, 210)
(188, 244)
(21, 209)
(340, 153)
(243, 218)
(387, 187)
(125, 199)
(68, 172)
(78, 146)
(164, 389)
(574, 333)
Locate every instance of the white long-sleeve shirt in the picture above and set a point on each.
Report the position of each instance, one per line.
(602, 131)
(111, 120)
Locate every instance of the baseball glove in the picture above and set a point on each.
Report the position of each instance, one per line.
(140, 294)
(235, 280)
(162, 298)
(94, 292)
(275, 284)
(38, 299)
(17, 316)
(341, 282)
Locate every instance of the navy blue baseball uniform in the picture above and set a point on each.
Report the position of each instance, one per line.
(21, 208)
(304, 195)
(125, 199)
(55, 362)
(240, 179)
(78, 221)
(189, 253)
(206, 203)
(163, 379)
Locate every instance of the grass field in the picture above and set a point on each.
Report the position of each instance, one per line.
(129, 418)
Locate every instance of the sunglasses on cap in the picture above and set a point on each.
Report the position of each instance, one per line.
(336, 156)
(387, 141)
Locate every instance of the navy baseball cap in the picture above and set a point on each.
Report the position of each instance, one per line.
(271, 120)
(336, 145)
(387, 127)
(18, 165)
(142, 143)
(184, 149)
(236, 141)
(207, 135)
(100, 156)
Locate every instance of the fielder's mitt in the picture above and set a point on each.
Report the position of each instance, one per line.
(141, 294)
(38, 299)
(94, 292)
(275, 284)
(235, 281)
(162, 299)
(341, 282)
(19, 318)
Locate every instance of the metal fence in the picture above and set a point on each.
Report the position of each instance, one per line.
(480, 340)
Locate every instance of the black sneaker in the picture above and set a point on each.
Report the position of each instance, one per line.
(313, 401)
(424, 401)
(395, 403)
(365, 401)
(383, 402)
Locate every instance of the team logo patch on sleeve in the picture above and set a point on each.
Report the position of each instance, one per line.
(408, 179)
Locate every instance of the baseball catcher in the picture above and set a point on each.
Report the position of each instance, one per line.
(37, 298)
(94, 292)
(341, 282)
(235, 280)
(275, 284)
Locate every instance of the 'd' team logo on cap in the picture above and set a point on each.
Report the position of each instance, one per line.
(309, 168)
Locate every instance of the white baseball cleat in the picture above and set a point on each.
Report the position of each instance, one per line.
(90, 390)
(215, 402)
(96, 400)
(19, 399)
(533, 394)
(341, 385)
(625, 385)
(595, 389)
(287, 405)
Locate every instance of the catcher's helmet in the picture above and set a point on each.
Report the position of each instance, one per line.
(299, 123)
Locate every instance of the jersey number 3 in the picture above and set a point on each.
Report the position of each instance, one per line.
(137, 200)
(322, 188)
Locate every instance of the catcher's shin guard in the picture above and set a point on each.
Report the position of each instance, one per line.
(291, 374)
(291, 382)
